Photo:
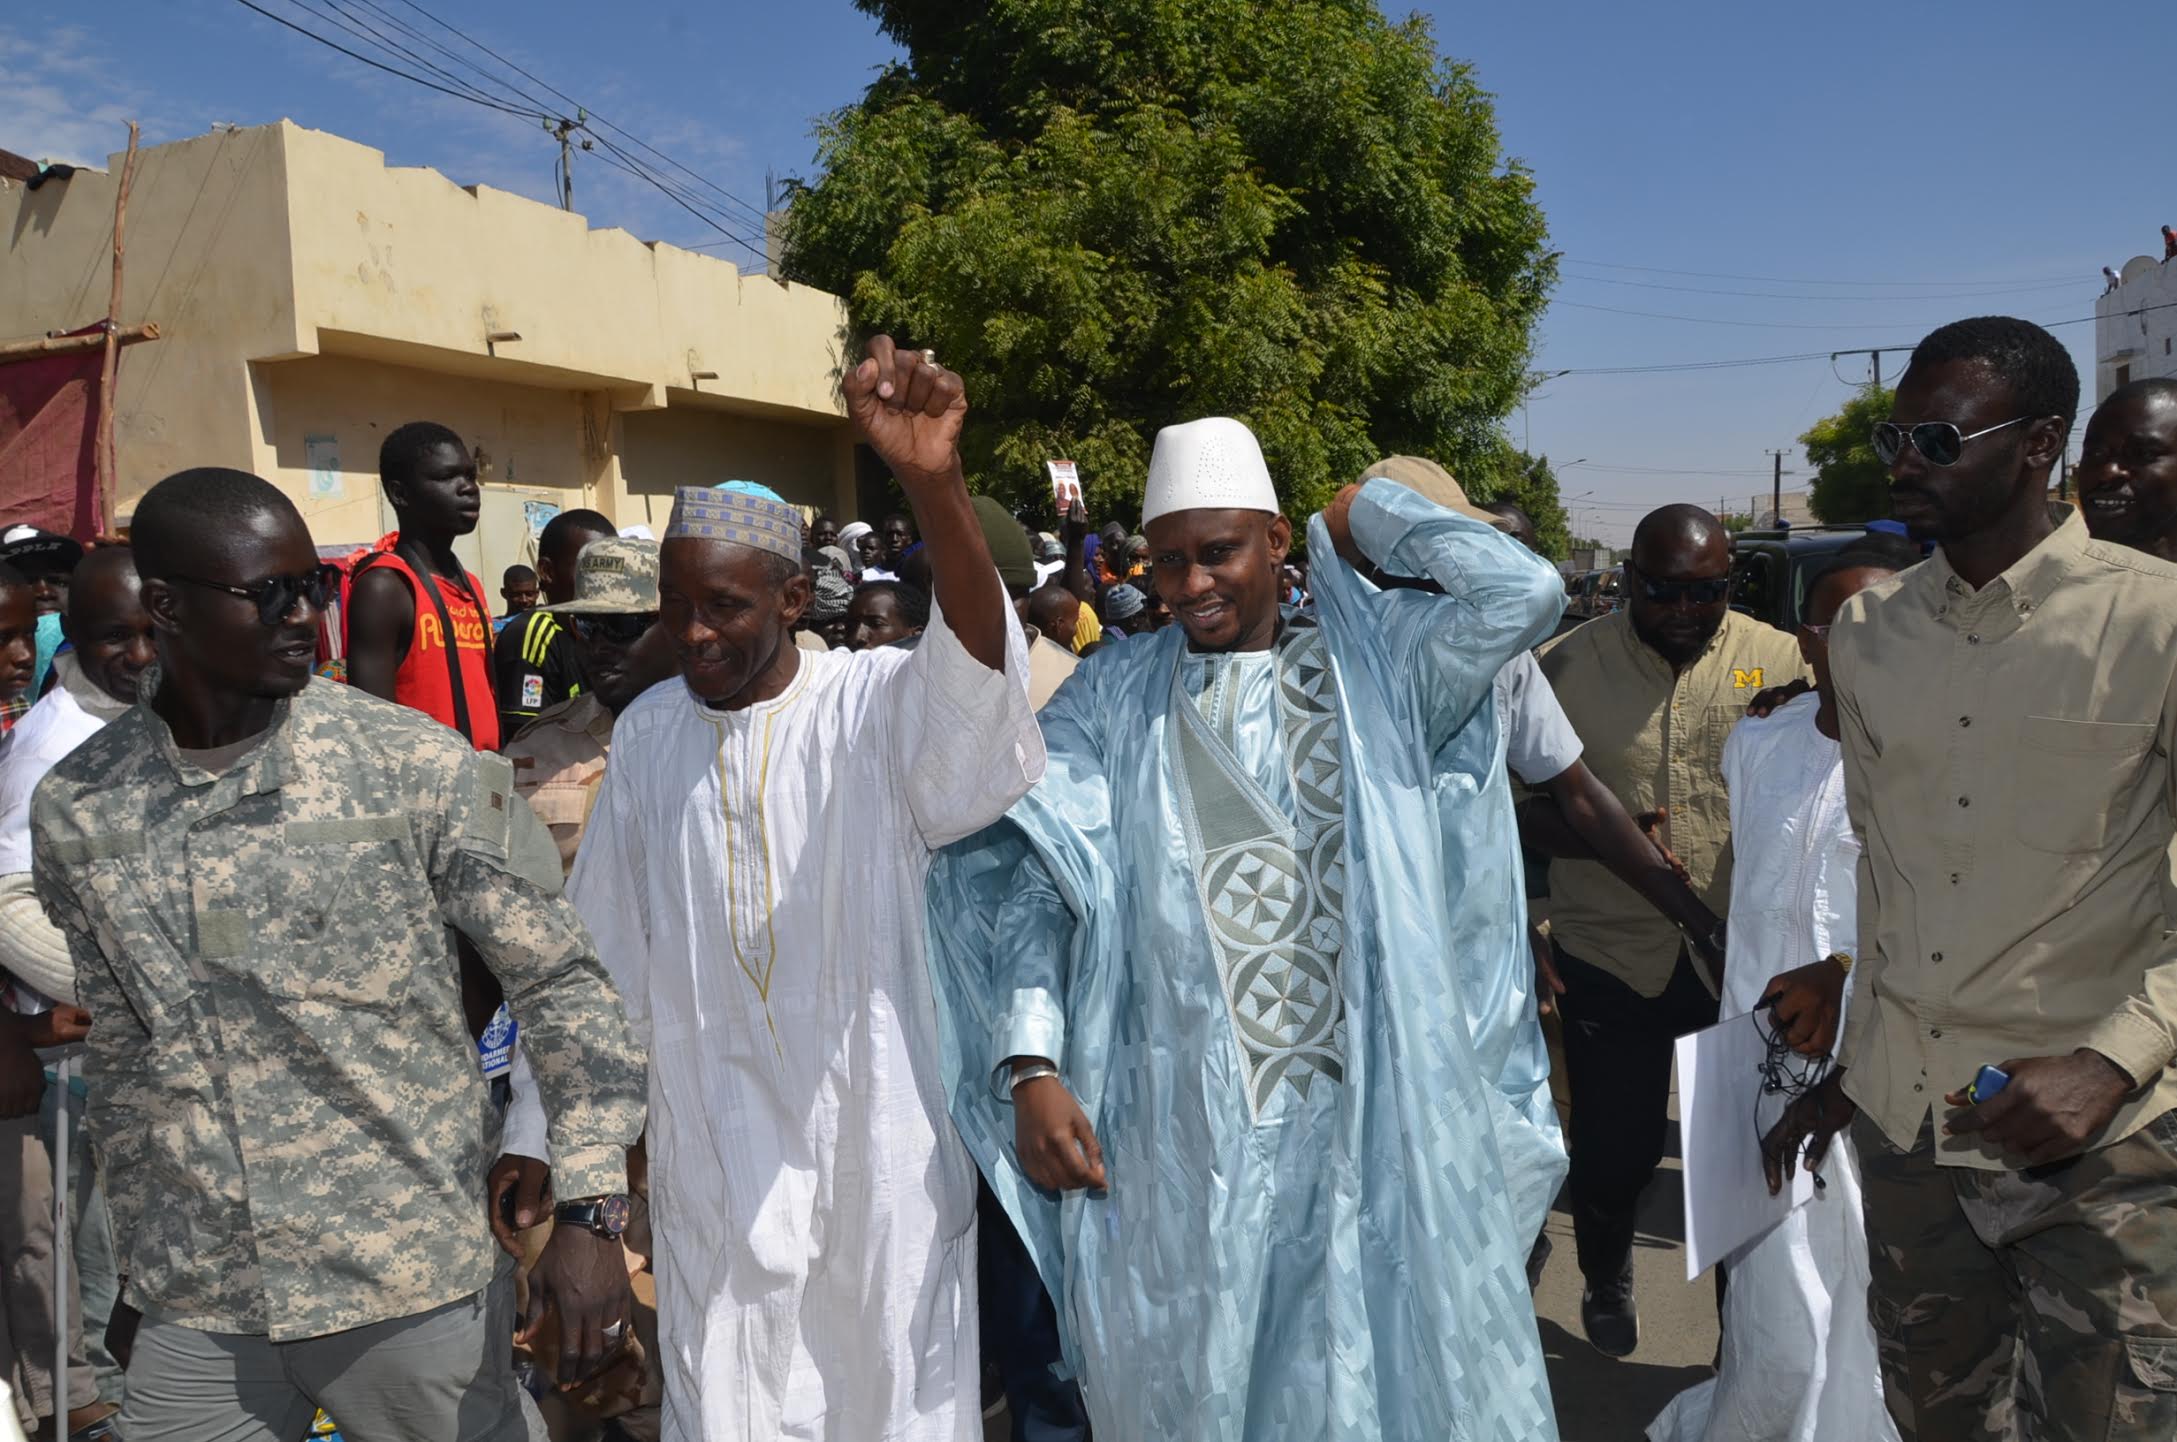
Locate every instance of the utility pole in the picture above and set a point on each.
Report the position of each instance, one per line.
(1875, 355)
(1776, 489)
(563, 130)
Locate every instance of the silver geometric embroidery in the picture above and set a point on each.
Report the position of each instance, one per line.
(1276, 904)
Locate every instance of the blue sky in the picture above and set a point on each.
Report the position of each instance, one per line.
(1921, 161)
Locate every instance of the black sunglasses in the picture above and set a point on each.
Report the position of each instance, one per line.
(1939, 442)
(276, 595)
(1700, 593)
(624, 629)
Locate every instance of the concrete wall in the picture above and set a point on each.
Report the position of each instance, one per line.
(687, 446)
(306, 291)
(2130, 333)
(325, 416)
(408, 256)
(208, 259)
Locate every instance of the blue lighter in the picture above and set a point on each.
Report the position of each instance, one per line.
(1986, 1083)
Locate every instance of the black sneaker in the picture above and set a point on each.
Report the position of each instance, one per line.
(1609, 1318)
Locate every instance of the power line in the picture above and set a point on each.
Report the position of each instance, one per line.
(370, 35)
(1769, 360)
(1662, 470)
(1714, 320)
(460, 89)
(1708, 365)
(1786, 295)
(707, 212)
(634, 140)
(454, 57)
(470, 96)
(1800, 280)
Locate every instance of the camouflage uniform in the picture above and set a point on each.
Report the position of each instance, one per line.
(559, 759)
(286, 1101)
(2080, 1249)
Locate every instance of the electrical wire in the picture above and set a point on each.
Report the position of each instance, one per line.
(452, 56)
(1787, 295)
(459, 88)
(1792, 280)
(619, 160)
(1665, 367)
(1762, 471)
(470, 96)
(1714, 320)
(752, 212)
(369, 34)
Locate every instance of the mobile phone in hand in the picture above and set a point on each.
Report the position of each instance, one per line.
(1986, 1083)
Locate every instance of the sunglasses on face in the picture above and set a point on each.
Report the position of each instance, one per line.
(275, 596)
(1939, 442)
(1671, 593)
(626, 630)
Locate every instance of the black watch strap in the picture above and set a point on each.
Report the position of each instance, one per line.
(605, 1216)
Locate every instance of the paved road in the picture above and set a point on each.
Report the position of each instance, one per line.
(1601, 1400)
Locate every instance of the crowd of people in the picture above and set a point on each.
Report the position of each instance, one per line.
(794, 980)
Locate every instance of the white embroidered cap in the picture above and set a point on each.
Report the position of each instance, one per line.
(1207, 465)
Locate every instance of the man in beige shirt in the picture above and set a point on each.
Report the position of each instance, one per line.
(1653, 691)
(2008, 714)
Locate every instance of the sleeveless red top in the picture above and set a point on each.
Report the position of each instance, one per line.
(425, 681)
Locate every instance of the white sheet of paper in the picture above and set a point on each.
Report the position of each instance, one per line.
(1727, 1200)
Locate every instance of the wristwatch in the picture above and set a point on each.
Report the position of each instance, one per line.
(605, 1216)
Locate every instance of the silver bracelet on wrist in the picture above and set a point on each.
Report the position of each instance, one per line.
(1027, 1074)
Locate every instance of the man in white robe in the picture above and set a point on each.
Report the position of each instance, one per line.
(1798, 1359)
(753, 873)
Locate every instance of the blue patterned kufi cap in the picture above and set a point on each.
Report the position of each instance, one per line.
(738, 511)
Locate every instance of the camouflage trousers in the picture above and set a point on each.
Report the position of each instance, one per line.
(2025, 1306)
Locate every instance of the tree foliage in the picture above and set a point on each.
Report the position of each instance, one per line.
(1506, 473)
(1850, 481)
(1111, 215)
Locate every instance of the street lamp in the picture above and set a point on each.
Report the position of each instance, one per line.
(1526, 432)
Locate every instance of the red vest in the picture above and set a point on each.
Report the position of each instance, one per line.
(425, 681)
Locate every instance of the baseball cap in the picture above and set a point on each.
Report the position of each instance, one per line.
(28, 543)
(613, 577)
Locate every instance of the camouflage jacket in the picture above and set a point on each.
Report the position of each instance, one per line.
(285, 1097)
(559, 759)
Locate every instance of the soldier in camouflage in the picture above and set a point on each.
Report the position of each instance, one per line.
(560, 757)
(559, 760)
(260, 877)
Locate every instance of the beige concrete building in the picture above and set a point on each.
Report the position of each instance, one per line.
(311, 298)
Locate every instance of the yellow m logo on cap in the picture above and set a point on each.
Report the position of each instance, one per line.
(1744, 679)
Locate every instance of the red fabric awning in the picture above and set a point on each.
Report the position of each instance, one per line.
(49, 441)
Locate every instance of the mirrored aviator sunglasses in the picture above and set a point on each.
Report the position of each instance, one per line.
(1939, 442)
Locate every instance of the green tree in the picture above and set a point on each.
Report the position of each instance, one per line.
(1850, 481)
(1110, 215)
(1506, 473)
(1736, 521)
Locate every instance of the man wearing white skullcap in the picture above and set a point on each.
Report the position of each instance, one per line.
(753, 874)
(1198, 992)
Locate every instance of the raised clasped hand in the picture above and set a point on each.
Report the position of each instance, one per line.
(910, 409)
